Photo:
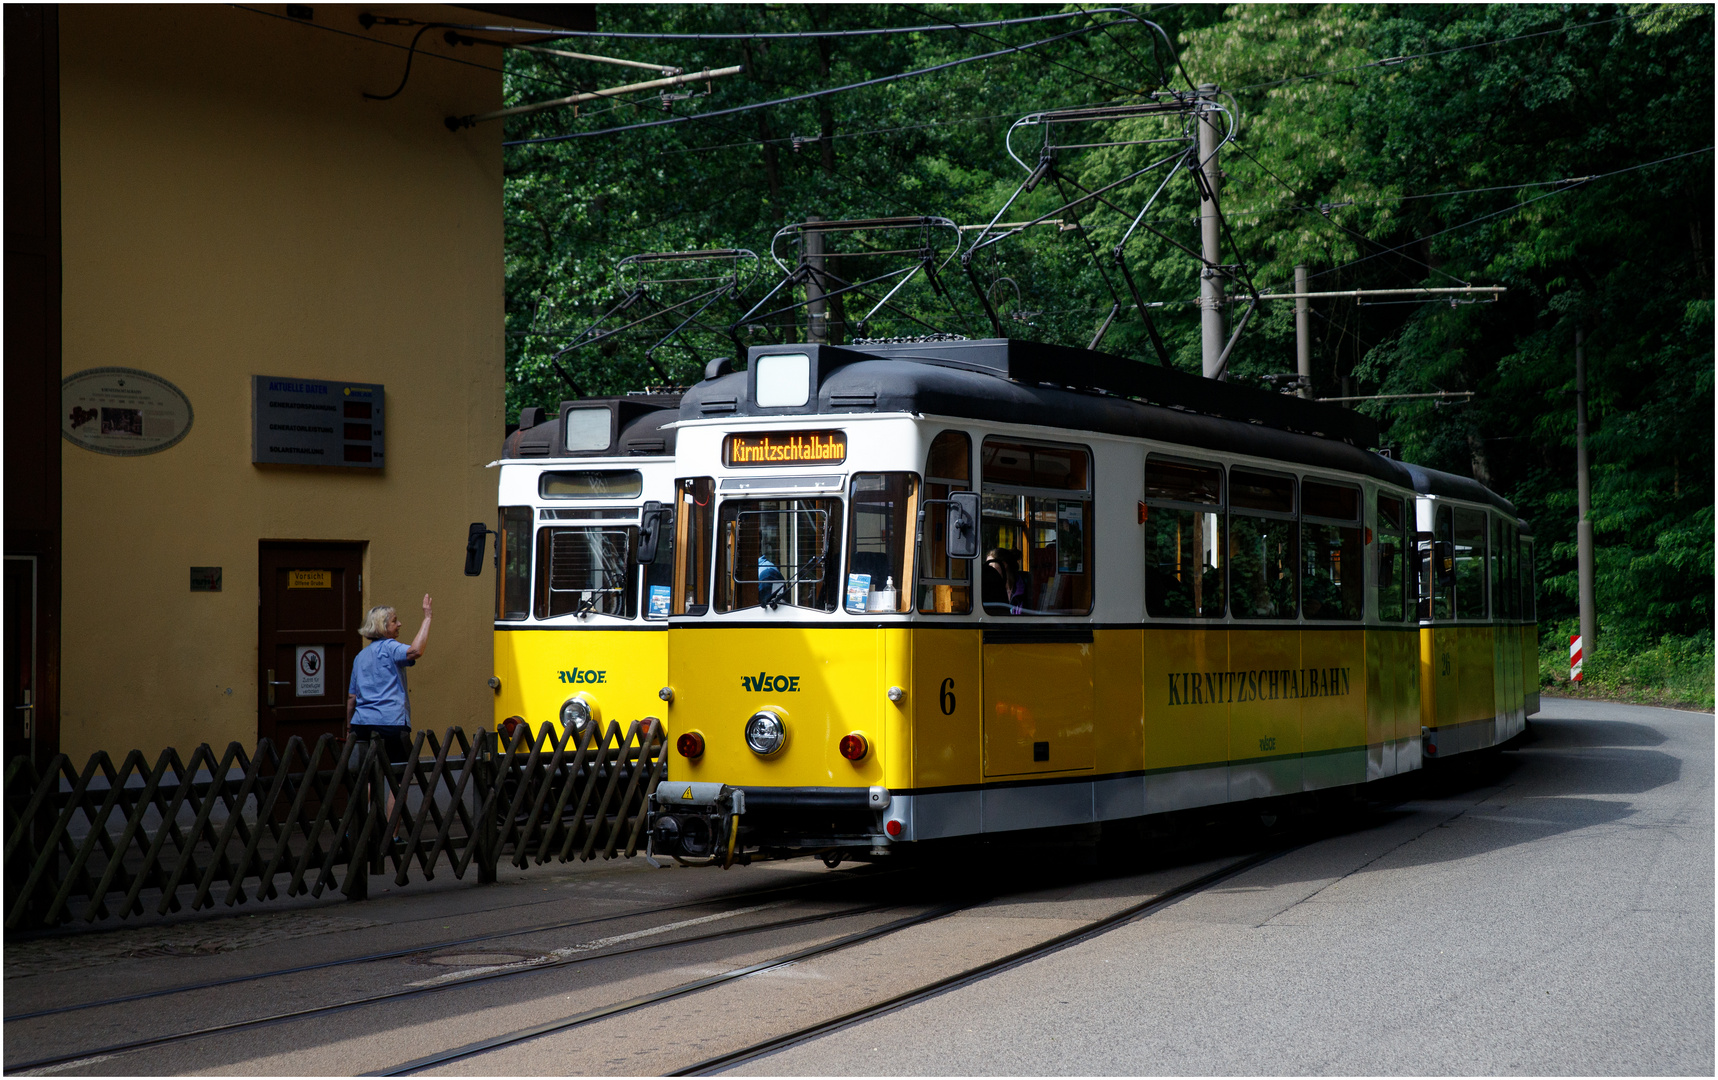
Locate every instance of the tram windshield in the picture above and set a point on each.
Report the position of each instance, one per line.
(772, 552)
(883, 508)
(587, 570)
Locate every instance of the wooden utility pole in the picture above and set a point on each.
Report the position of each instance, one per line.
(816, 305)
(1302, 332)
(1584, 493)
(1212, 336)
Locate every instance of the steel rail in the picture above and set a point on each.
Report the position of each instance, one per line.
(422, 991)
(982, 971)
(394, 954)
(496, 1042)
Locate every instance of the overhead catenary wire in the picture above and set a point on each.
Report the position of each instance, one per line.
(807, 96)
(1392, 61)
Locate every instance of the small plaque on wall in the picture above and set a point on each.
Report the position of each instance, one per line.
(122, 411)
(205, 579)
(316, 422)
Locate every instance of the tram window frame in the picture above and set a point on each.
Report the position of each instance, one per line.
(897, 537)
(1350, 547)
(548, 563)
(1286, 524)
(1470, 571)
(1393, 537)
(694, 540)
(660, 572)
(1030, 511)
(1495, 565)
(1512, 594)
(1193, 521)
(1529, 584)
(513, 557)
(1437, 567)
(627, 483)
(951, 592)
(731, 588)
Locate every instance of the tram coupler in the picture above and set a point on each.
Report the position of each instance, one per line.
(695, 820)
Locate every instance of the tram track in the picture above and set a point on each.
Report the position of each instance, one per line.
(455, 981)
(972, 974)
(739, 896)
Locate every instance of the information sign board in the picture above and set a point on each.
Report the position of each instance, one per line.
(316, 422)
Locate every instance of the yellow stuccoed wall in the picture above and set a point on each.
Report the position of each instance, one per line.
(233, 206)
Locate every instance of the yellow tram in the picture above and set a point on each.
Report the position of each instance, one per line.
(580, 617)
(955, 588)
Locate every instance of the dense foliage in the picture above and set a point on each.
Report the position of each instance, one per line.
(1561, 152)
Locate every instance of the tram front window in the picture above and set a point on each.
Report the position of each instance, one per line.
(883, 508)
(586, 570)
(513, 585)
(773, 552)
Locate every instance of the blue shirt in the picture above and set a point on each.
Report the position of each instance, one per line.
(379, 683)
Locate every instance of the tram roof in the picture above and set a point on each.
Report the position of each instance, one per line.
(1450, 486)
(639, 426)
(1021, 382)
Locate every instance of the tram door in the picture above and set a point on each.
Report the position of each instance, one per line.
(307, 636)
(1038, 677)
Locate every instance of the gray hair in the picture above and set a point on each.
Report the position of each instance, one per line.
(376, 622)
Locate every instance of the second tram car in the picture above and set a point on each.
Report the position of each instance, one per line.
(580, 618)
(949, 589)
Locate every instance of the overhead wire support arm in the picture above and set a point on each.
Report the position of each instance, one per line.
(456, 123)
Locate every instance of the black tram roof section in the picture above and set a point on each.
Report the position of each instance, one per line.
(1021, 382)
(1450, 486)
(639, 426)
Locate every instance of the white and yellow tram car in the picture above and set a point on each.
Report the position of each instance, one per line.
(960, 588)
(580, 618)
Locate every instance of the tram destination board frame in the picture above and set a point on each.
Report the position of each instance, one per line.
(319, 422)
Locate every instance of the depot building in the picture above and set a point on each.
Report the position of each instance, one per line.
(254, 365)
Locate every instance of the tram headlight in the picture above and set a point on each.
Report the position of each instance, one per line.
(577, 712)
(765, 732)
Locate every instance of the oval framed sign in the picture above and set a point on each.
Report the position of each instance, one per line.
(122, 411)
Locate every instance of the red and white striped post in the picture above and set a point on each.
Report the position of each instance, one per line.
(1575, 657)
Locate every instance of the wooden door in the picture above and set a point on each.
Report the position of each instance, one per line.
(307, 636)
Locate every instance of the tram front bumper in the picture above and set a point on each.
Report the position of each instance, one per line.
(693, 820)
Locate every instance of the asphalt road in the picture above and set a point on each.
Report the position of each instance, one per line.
(1554, 916)
(1544, 911)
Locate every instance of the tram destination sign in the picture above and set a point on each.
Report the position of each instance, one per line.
(316, 422)
(785, 448)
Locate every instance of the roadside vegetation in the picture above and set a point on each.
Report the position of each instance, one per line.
(1562, 152)
(1673, 671)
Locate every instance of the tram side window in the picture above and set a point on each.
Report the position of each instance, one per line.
(1512, 588)
(1392, 568)
(945, 584)
(883, 507)
(1332, 584)
(659, 576)
(1262, 559)
(513, 584)
(1438, 569)
(1496, 567)
(587, 570)
(1185, 534)
(1529, 583)
(1470, 556)
(694, 532)
(778, 551)
(1036, 535)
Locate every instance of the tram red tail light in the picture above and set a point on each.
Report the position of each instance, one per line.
(893, 828)
(508, 727)
(854, 747)
(690, 745)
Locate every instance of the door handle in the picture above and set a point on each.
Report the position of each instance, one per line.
(271, 683)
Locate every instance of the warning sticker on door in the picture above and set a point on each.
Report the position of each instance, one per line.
(311, 682)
